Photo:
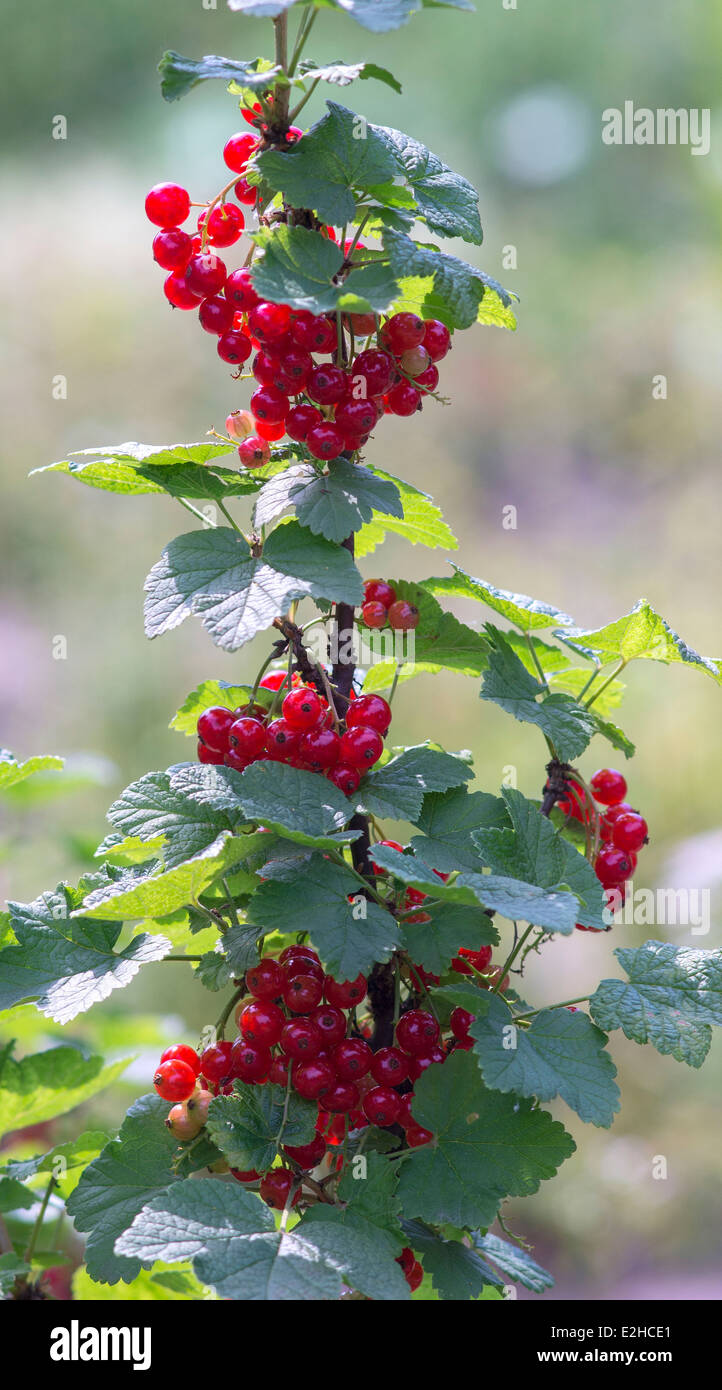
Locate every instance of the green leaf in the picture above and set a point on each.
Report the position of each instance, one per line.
(147, 1287)
(515, 1263)
(422, 523)
(448, 203)
(457, 1272)
(338, 156)
(397, 789)
(178, 75)
(250, 1126)
(299, 267)
(130, 1171)
(46, 1084)
(154, 807)
(65, 1161)
(671, 997)
(440, 642)
(433, 944)
(213, 692)
(138, 893)
(486, 1146)
(122, 467)
(440, 285)
(232, 1239)
(314, 897)
(65, 965)
(12, 773)
(11, 1268)
(509, 685)
(343, 74)
(326, 570)
(333, 504)
(555, 911)
(639, 635)
(559, 1054)
(447, 822)
(14, 1196)
(529, 614)
(614, 735)
(298, 804)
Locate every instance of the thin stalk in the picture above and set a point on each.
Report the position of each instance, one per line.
(535, 659)
(304, 30)
(39, 1221)
(230, 1006)
(608, 681)
(180, 958)
(511, 957)
(395, 681)
(590, 682)
(228, 516)
(260, 676)
(358, 233)
(190, 508)
(563, 1004)
(294, 113)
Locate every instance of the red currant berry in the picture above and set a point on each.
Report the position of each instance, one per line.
(418, 1065)
(403, 616)
(415, 1276)
(613, 866)
(205, 275)
(175, 1080)
(320, 748)
(356, 417)
(576, 804)
(301, 1039)
(278, 1075)
(234, 347)
(291, 952)
(406, 1119)
(240, 291)
(167, 205)
(325, 440)
(216, 315)
(262, 1022)
(378, 591)
(480, 959)
(403, 399)
(247, 1175)
(245, 192)
(351, 1059)
(224, 224)
(239, 424)
(403, 331)
(296, 366)
(314, 1078)
(254, 452)
(389, 1066)
(265, 980)
(181, 1052)
(341, 1097)
(416, 1032)
(416, 1135)
(374, 615)
(363, 324)
(436, 340)
(213, 726)
(269, 404)
(630, 831)
(238, 150)
(250, 1061)
(307, 1155)
(361, 747)
(216, 1062)
(345, 994)
(606, 822)
(371, 712)
(177, 293)
(300, 419)
(267, 321)
(429, 379)
(327, 385)
(381, 1106)
(346, 778)
(302, 993)
(608, 786)
(172, 249)
(461, 1021)
(331, 1024)
(276, 1188)
(302, 708)
(314, 333)
(377, 370)
(282, 741)
(248, 737)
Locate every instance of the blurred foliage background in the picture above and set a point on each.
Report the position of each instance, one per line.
(618, 494)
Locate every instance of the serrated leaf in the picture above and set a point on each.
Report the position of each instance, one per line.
(12, 773)
(517, 1264)
(331, 162)
(456, 1272)
(558, 1054)
(293, 802)
(153, 807)
(300, 267)
(447, 822)
(315, 897)
(69, 1158)
(422, 523)
(250, 1126)
(397, 789)
(441, 642)
(326, 570)
(333, 504)
(215, 692)
(125, 460)
(509, 685)
(65, 965)
(130, 1171)
(138, 893)
(14, 1196)
(148, 1287)
(46, 1084)
(671, 997)
(232, 1239)
(343, 74)
(529, 614)
(446, 201)
(440, 285)
(486, 1146)
(433, 944)
(178, 75)
(639, 635)
(555, 911)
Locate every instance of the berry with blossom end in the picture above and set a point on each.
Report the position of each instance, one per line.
(629, 831)
(346, 778)
(205, 274)
(382, 1106)
(417, 1032)
(177, 292)
(213, 727)
(374, 615)
(254, 452)
(403, 616)
(371, 712)
(276, 1187)
(361, 747)
(345, 994)
(436, 339)
(174, 1080)
(240, 291)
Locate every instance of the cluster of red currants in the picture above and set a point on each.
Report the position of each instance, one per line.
(330, 406)
(306, 735)
(381, 607)
(619, 832)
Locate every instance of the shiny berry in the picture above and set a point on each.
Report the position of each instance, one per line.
(320, 748)
(378, 591)
(418, 1065)
(341, 1097)
(235, 347)
(403, 331)
(216, 1062)
(325, 440)
(389, 1066)
(174, 1080)
(302, 993)
(416, 1135)
(613, 866)
(269, 404)
(224, 224)
(361, 747)
(301, 1039)
(630, 831)
(374, 615)
(172, 249)
(314, 333)
(181, 1052)
(238, 150)
(213, 726)
(346, 778)
(403, 616)
(606, 823)
(278, 1075)
(381, 1106)
(429, 379)
(327, 385)
(265, 980)
(608, 786)
(233, 759)
(415, 361)
(377, 370)
(216, 315)
(250, 1061)
(240, 291)
(262, 1022)
(345, 994)
(177, 292)
(461, 1021)
(331, 1023)
(245, 192)
(245, 1175)
(296, 366)
(302, 708)
(276, 1187)
(300, 419)
(248, 737)
(205, 274)
(167, 205)
(254, 452)
(294, 950)
(351, 1059)
(416, 1032)
(314, 1078)
(371, 712)
(267, 321)
(307, 1155)
(403, 399)
(282, 741)
(436, 340)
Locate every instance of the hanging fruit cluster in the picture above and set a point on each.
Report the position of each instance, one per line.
(382, 364)
(617, 832)
(381, 608)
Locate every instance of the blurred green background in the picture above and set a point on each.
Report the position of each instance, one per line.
(618, 494)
